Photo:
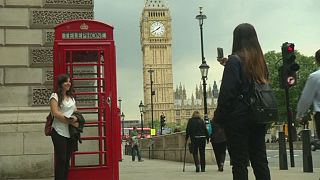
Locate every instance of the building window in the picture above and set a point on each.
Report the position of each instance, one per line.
(188, 113)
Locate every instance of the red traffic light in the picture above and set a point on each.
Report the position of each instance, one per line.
(287, 73)
(287, 48)
(290, 48)
(288, 54)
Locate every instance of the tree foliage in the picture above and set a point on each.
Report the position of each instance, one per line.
(307, 66)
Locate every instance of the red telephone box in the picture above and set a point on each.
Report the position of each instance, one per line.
(85, 49)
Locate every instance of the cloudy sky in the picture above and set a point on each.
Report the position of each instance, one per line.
(276, 21)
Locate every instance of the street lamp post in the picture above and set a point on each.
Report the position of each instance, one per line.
(201, 17)
(122, 119)
(120, 100)
(204, 73)
(203, 67)
(151, 94)
(141, 107)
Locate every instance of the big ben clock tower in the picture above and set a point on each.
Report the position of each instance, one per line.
(156, 40)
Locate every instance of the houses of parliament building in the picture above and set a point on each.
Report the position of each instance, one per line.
(185, 106)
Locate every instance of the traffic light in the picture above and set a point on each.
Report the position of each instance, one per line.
(287, 72)
(162, 120)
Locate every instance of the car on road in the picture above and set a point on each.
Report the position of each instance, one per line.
(315, 144)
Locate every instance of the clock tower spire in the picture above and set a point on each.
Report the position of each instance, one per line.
(156, 44)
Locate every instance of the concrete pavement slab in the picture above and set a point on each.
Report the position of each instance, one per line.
(168, 170)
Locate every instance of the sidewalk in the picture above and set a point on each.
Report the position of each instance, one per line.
(168, 170)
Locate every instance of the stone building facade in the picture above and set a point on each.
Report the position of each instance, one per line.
(184, 106)
(26, 56)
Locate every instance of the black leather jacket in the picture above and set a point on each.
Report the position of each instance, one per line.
(75, 131)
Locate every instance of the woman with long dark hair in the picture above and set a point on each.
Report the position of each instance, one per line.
(245, 139)
(198, 133)
(62, 106)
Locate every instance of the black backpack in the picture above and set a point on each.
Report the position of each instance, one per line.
(263, 104)
(261, 100)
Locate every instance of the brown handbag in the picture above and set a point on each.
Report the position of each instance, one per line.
(48, 126)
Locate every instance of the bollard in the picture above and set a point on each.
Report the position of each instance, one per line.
(283, 163)
(306, 150)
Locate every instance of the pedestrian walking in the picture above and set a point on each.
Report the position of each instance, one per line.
(311, 95)
(198, 133)
(219, 144)
(135, 151)
(62, 106)
(245, 139)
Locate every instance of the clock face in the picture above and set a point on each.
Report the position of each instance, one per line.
(157, 29)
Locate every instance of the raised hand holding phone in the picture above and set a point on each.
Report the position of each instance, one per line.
(222, 60)
(220, 53)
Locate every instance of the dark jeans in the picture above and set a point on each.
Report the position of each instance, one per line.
(219, 150)
(246, 140)
(62, 154)
(199, 144)
(317, 120)
(135, 151)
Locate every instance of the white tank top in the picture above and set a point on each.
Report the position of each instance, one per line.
(67, 109)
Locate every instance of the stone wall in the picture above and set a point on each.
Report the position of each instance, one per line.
(24, 150)
(26, 74)
(26, 40)
(171, 147)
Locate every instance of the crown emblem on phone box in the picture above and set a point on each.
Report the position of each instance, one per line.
(84, 26)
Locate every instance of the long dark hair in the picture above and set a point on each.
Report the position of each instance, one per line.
(246, 45)
(62, 78)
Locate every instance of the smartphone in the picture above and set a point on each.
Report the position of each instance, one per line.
(220, 52)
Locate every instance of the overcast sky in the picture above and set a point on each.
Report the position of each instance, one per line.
(276, 21)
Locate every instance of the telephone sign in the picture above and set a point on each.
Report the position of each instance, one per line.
(84, 35)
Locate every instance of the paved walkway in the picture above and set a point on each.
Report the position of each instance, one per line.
(167, 170)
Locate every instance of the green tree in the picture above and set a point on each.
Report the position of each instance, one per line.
(307, 65)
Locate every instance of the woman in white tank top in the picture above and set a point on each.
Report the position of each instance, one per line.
(62, 105)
